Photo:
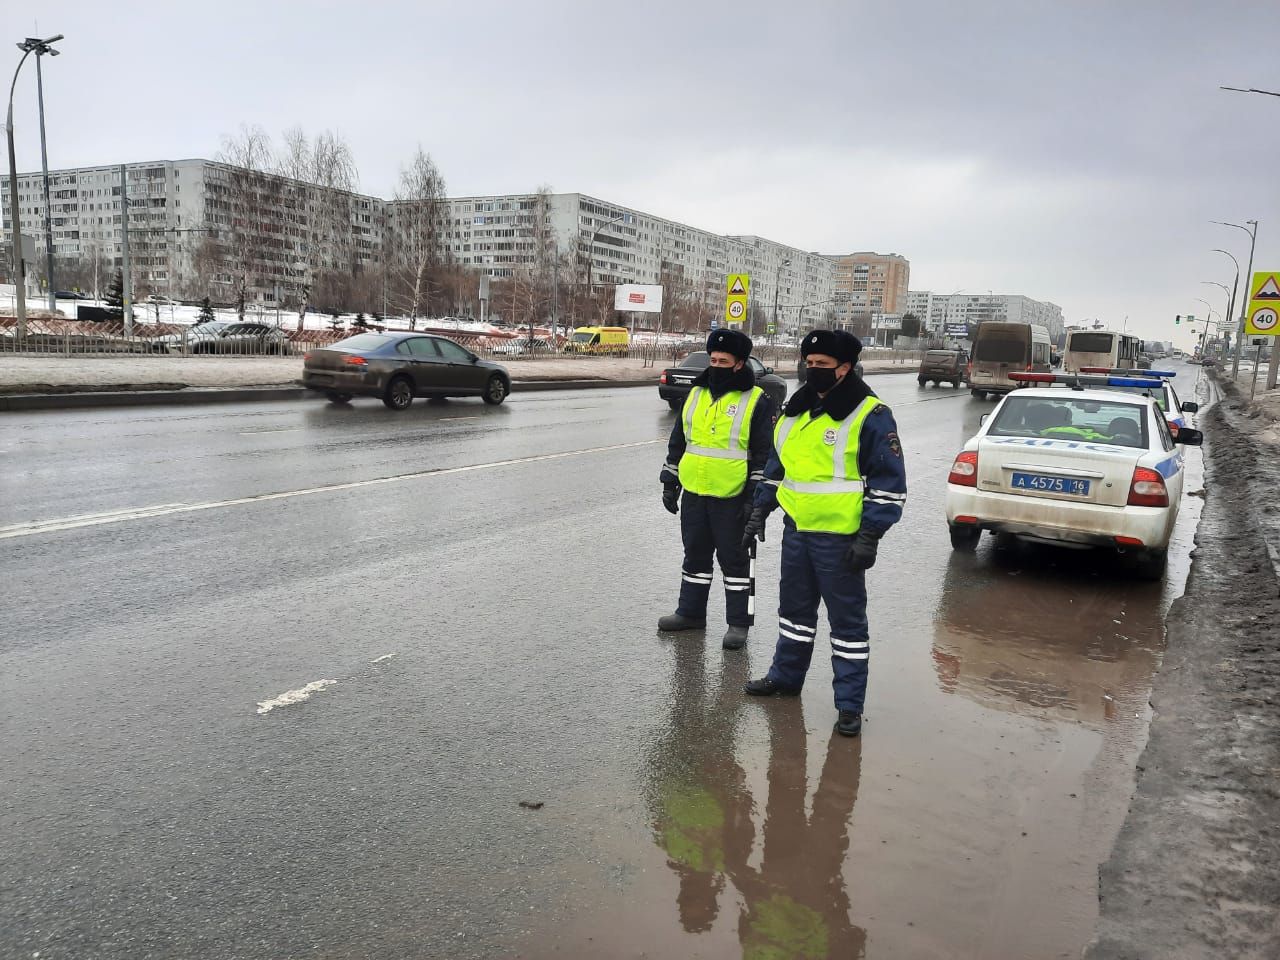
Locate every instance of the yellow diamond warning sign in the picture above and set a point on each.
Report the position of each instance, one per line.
(1262, 316)
(737, 296)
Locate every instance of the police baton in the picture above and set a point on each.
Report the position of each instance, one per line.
(751, 590)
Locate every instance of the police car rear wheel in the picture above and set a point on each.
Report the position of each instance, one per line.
(1150, 565)
(965, 538)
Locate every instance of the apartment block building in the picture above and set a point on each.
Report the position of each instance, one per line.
(196, 225)
(955, 310)
(280, 229)
(867, 284)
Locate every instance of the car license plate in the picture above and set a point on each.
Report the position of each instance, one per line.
(1037, 481)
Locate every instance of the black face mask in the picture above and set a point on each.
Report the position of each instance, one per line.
(719, 378)
(822, 379)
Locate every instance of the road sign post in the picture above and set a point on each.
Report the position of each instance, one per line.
(1262, 316)
(737, 295)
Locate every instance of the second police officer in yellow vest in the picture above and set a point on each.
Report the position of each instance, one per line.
(717, 452)
(837, 472)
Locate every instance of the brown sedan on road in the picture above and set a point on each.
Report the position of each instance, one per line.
(400, 366)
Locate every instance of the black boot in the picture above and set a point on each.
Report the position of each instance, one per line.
(675, 622)
(849, 724)
(764, 687)
(735, 638)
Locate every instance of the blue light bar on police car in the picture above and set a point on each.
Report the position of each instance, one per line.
(1085, 380)
(1128, 372)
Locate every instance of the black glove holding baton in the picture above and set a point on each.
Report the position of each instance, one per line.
(671, 497)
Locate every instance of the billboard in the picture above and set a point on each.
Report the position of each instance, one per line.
(638, 297)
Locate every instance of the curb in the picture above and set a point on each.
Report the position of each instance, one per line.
(185, 397)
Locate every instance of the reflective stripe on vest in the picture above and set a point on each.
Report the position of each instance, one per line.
(716, 442)
(822, 486)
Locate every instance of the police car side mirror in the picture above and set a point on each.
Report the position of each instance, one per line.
(983, 419)
(1189, 407)
(1189, 437)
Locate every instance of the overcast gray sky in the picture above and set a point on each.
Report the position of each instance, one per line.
(1070, 151)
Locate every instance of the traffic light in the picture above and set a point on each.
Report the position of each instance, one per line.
(1177, 320)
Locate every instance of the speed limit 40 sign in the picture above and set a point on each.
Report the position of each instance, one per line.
(1262, 317)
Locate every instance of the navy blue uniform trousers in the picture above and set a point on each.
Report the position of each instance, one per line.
(712, 527)
(813, 570)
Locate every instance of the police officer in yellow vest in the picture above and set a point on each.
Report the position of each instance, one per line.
(717, 452)
(838, 474)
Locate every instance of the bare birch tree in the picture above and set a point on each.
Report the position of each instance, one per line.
(248, 194)
(417, 217)
(325, 176)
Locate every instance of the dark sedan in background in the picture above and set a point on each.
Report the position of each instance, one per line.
(396, 367)
(675, 382)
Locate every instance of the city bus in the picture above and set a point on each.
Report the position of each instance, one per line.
(1101, 348)
(1000, 349)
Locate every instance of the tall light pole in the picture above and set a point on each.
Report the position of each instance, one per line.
(1231, 307)
(591, 254)
(1223, 288)
(777, 288)
(1248, 279)
(1208, 322)
(40, 48)
(15, 224)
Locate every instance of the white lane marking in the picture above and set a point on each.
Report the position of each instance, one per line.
(384, 657)
(254, 433)
(164, 510)
(294, 696)
(86, 519)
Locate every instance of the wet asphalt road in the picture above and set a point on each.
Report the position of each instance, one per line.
(489, 634)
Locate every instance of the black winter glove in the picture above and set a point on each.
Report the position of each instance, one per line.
(754, 528)
(671, 497)
(861, 554)
(748, 502)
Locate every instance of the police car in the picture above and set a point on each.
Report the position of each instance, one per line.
(1163, 393)
(1080, 467)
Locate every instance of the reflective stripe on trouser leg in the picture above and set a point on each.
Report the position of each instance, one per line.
(699, 549)
(797, 610)
(844, 593)
(725, 516)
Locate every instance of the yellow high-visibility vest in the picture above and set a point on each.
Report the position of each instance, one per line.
(822, 488)
(717, 439)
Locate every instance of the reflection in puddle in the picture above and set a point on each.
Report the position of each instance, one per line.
(1052, 633)
(792, 903)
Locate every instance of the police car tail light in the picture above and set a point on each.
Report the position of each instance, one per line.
(964, 472)
(1147, 489)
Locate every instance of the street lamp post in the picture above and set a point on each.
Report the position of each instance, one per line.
(1231, 308)
(40, 48)
(1208, 322)
(1248, 279)
(591, 254)
(777, 288)
(1223, 288)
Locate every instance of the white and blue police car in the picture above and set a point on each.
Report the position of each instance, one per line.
(1083, 467)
